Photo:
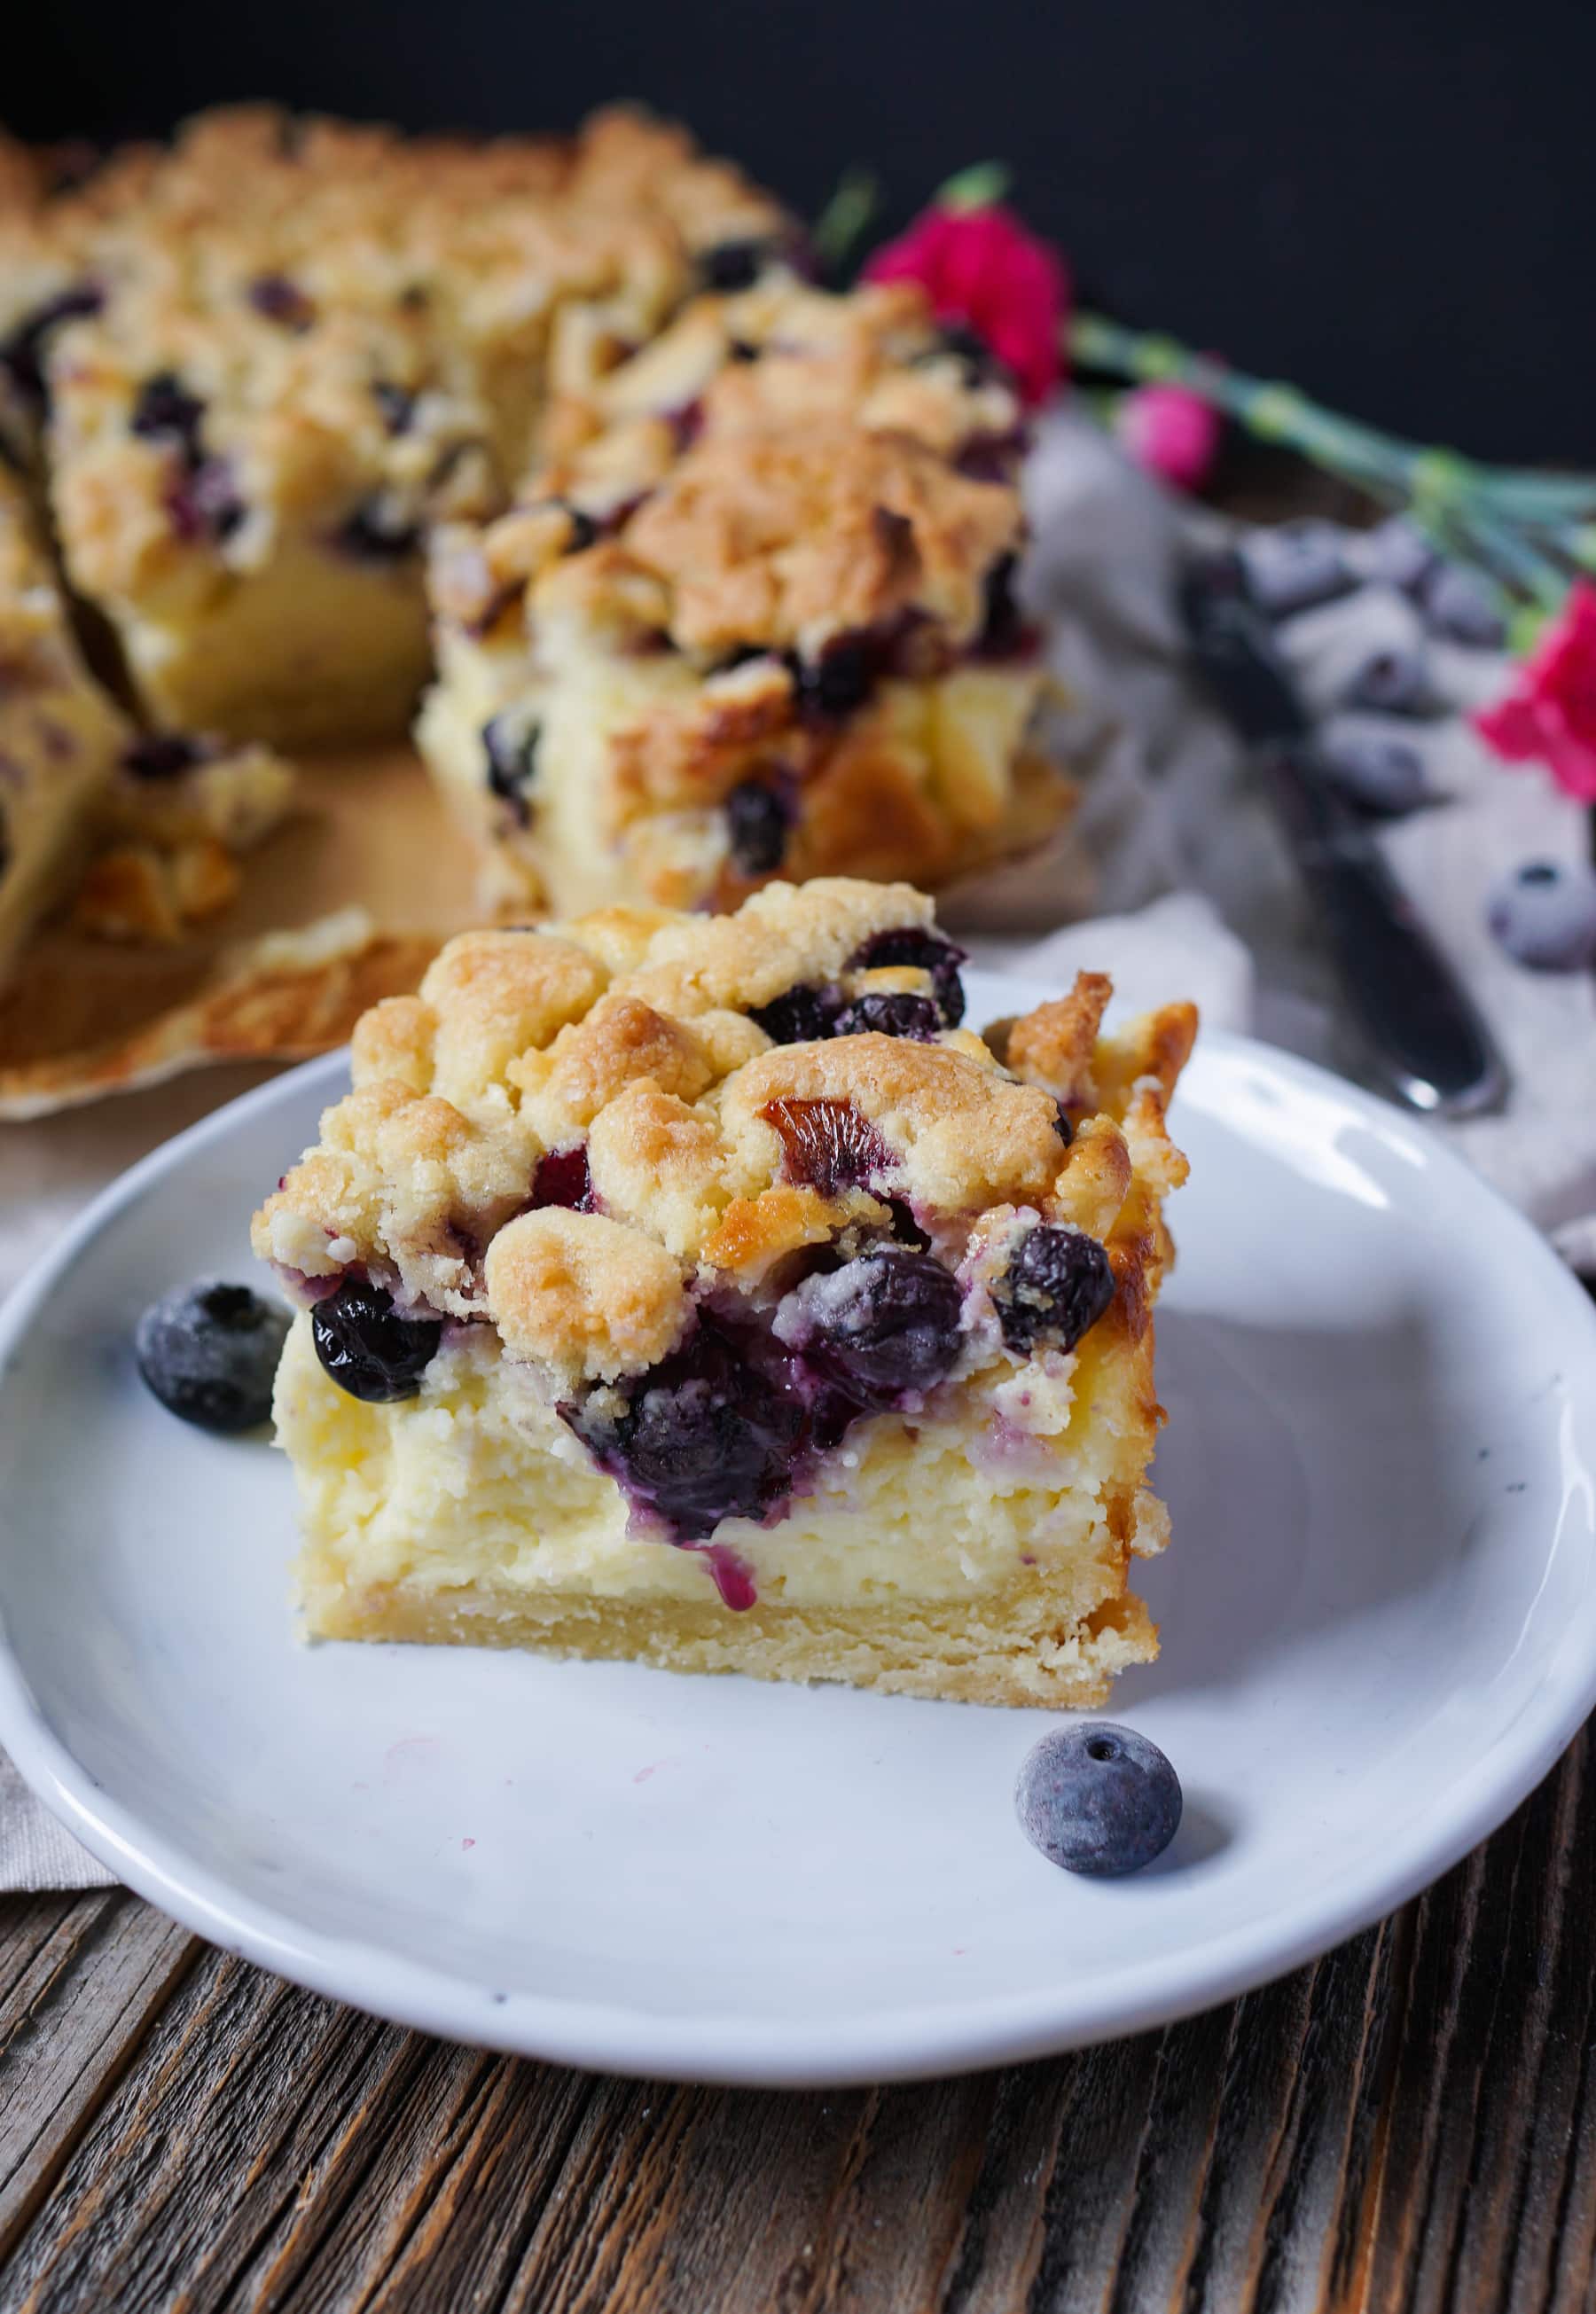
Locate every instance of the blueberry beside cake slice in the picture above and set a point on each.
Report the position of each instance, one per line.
(704, 1292)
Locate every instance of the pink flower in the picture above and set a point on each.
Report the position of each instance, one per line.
(1549, 715)
(981, 268)
(1171, 431)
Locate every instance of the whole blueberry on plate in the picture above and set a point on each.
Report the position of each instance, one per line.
(1545, 915)
(210, 1352)
(1097, 1798)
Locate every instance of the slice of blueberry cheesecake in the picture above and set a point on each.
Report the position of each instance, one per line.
(262, 363)
(753, 615)
(703, 1291)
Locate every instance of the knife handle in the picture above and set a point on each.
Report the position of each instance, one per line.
(1422, 1030)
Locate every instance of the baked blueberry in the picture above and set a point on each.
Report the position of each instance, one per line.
(209, 1353)
(1002, 625)
(732, 265)
(836, 683)
(882, 1326)
(758, 816)
(1545, 915)
(275, 298)
(926, 951)
(162, 756)
(396, 402)
(510, 744)
(889, 1015)
(563, 1178)
(377, 532)
(368, 1347)
(204, 502)
(1097, 1798)
(1057, 1285)
(828, 1143)
(803, 1015)
(701, 1437)
(164, 409)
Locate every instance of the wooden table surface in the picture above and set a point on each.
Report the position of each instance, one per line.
(1408, 2125)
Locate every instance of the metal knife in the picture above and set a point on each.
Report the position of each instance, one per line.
(1422, 1033)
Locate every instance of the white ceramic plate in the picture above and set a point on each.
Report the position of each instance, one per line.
(1379, 1630)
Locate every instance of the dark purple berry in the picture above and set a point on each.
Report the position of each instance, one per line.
(922, 950)
(209, 1353)
(979, 365)
(162, 756)
(275, 298)
(368, 1347)
(731, 265)
(758, 816)
(24, 353)
(1056, 1286)
(989, 457)
(1097, 1798)
(396, 402)
(585, 531)
(563, 1178)
(740, 351)
(829, 1145)
(165, 411)
(885, 1015)
(839, 681)
(203, 502)
(1062, 1125)
(511, 746)
(1002, 626)
(804, 1015)
(881, 1326)
(702, 1438)
(1545, 915)
(376, 533)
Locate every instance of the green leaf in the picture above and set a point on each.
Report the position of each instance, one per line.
(842, 223)
(980, 187)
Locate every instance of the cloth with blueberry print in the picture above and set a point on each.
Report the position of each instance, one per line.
(1196, 889)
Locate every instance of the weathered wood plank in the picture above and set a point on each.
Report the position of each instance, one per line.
(1409, 2127)
(80, 1980)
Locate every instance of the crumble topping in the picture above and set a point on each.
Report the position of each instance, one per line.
(584, 1134)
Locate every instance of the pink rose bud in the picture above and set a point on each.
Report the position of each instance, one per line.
(1547, 714)
(1171, 431)
(982, 270)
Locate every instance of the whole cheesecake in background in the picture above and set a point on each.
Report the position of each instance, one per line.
(260, 363)
(753, 615)
(704, 1292)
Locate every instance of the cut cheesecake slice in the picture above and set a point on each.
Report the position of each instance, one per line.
(752, 615)
(701, 1291)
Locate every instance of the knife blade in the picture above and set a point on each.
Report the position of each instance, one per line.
(1421, 1031)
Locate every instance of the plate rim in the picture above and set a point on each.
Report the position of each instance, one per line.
(911, 2043)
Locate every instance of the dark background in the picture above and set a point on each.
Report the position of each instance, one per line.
(1394, 206)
